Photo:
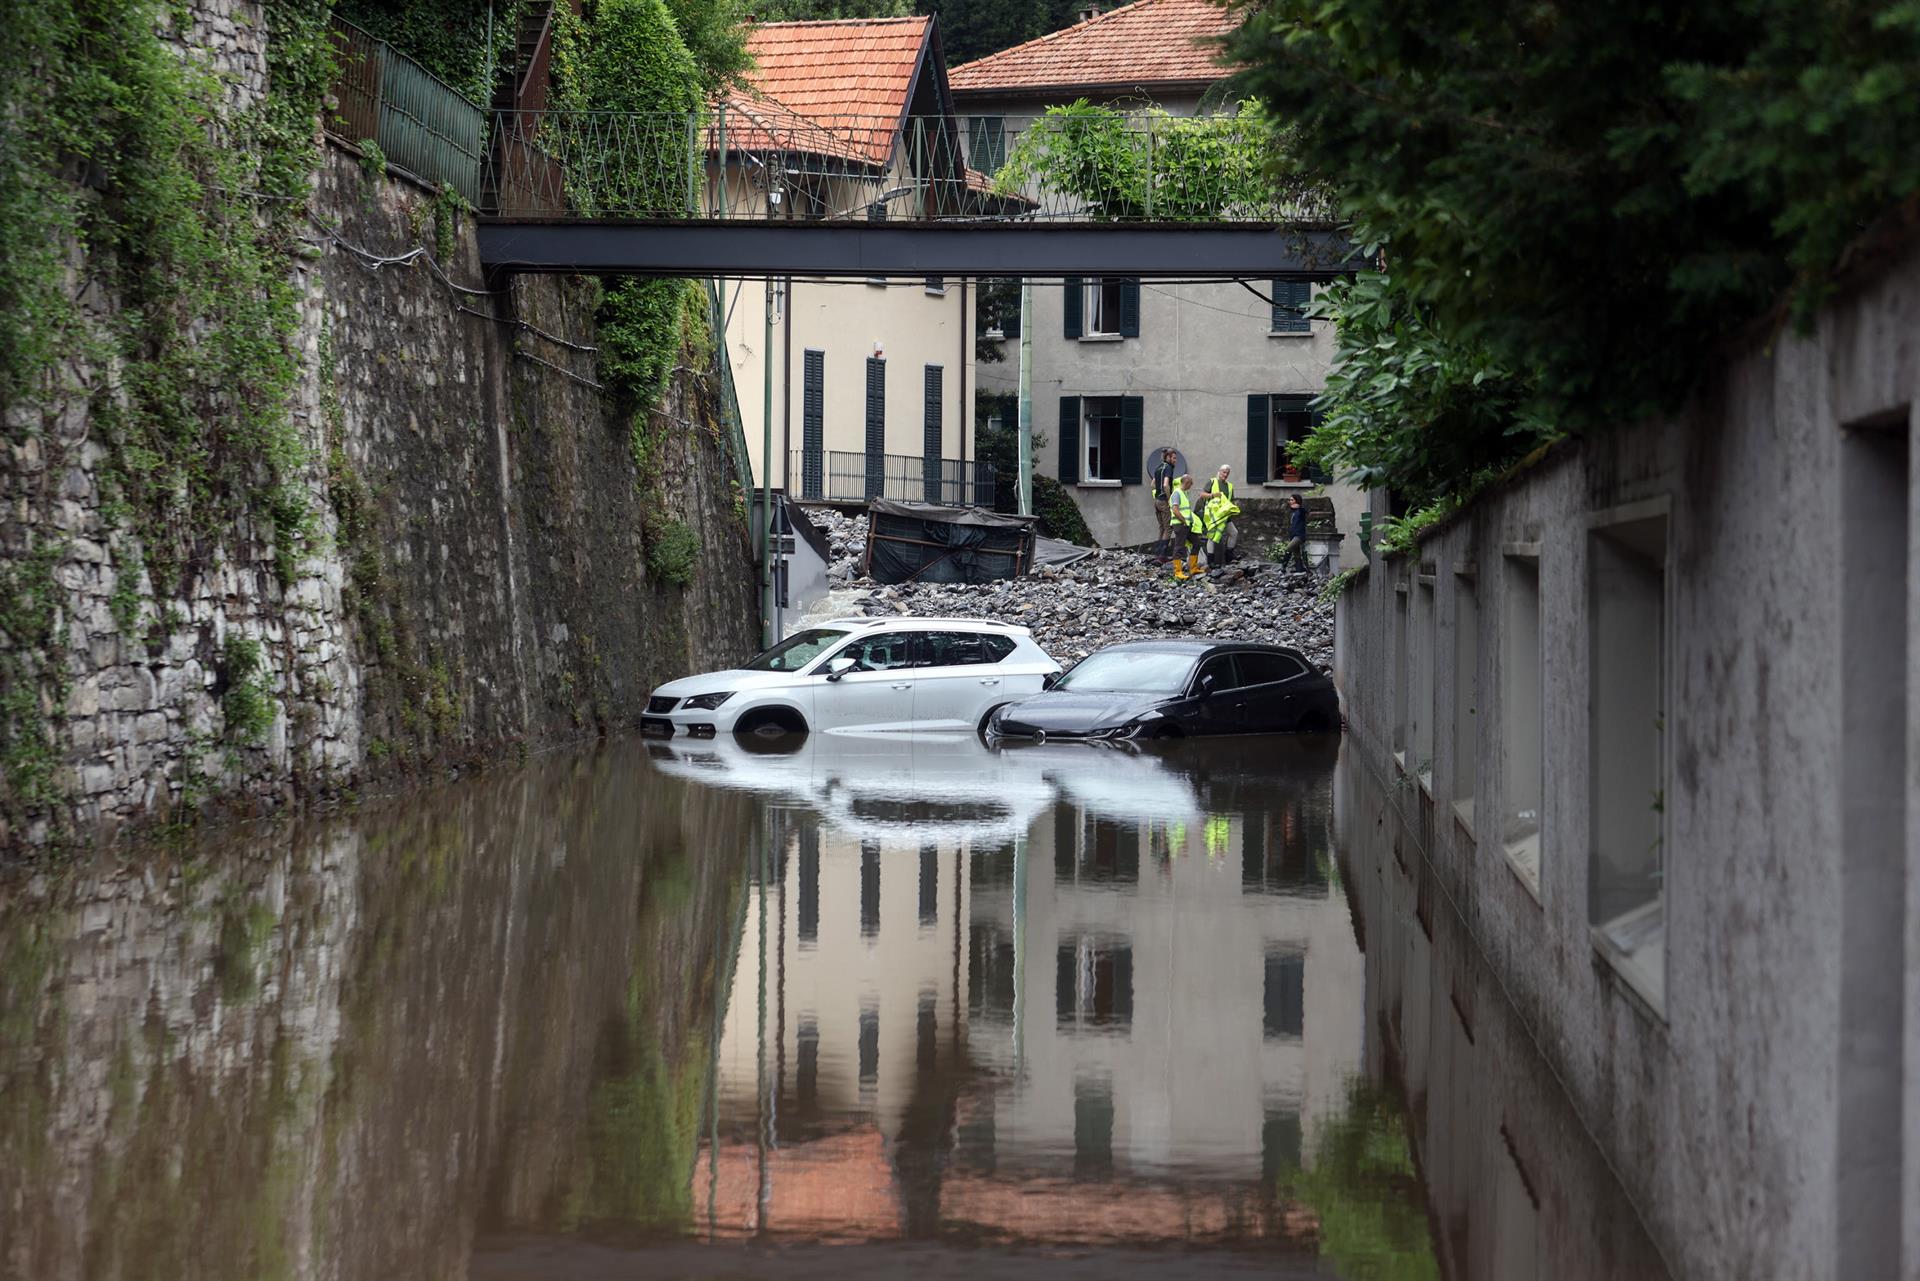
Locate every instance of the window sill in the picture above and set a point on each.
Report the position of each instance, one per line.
(994, 335)
(1642, 971)
(1097, 484)
(1463, 818)
(1101, 338)
(1523, 858)
(1289, 484)
(1426, 783)
(936, 293)
(1284, 334)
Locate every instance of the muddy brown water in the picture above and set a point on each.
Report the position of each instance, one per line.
(882, 1006)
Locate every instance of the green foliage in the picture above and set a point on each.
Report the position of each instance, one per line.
(1411, 405)
(1583, 202)
(995, 297)
(188, 226)
(248, 706)
(1336, 587)
(373, 161)
(1365, 1192)
(642, 326)
(672, 551)
(450, 38)
(972, 29)
(715, 38)
(1147, 163)
(629, 58)
(1059, 515)
(35, 636)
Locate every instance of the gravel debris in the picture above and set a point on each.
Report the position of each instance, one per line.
(1109, 597)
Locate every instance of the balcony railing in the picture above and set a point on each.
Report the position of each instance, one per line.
(844, 476)
(758, 160)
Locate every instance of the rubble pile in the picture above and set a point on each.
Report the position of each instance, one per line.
(1109, 597)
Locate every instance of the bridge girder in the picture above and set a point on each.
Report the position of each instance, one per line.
(758, 249)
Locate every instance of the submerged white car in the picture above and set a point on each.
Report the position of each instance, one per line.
(861, 674)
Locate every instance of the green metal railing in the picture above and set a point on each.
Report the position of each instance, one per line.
(420, 123)
(763, 161)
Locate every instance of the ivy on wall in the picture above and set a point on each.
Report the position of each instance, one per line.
(147, 235)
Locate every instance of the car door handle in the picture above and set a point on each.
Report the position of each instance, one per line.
(989, 680)
(904, 685)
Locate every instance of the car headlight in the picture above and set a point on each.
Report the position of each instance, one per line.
(705, 702)
(1144, 717)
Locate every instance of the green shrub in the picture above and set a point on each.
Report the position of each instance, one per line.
(1059, 515)
(248, 705)
(672, 550)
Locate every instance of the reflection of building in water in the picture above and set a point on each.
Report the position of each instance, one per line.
(1138, 992)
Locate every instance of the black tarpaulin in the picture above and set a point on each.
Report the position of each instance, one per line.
(928, 543)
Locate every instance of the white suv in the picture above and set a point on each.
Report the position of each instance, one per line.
(861, 674)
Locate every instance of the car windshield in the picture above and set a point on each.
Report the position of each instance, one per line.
(1147, 671)
(795, 652)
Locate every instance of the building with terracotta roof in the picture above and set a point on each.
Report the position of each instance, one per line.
(870, 377)
(1223, 374)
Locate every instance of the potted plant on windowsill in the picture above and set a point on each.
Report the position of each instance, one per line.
(1291, 474)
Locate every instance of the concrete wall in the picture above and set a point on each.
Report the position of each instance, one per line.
(1755, 1082)
(493, 592)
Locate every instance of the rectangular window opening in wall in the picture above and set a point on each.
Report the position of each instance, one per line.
(1521, 718)
(1420, 707)
(1094, 984)
(1628, 665)
(1876, 808)
(936, 284)
(1292, 420)
(1466, 696)
(1402, 670)
(1103, 307)
(1283, 1005)
(1290, 299)
(1100, 437)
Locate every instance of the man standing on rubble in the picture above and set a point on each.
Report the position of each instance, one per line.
(1186, 530)
(1222, 486)
(1166, 477)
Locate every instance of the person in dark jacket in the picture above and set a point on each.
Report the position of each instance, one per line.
(1296, 552)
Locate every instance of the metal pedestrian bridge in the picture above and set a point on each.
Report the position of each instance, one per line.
(753, 189)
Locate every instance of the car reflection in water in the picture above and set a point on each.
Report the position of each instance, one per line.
(1041, 995)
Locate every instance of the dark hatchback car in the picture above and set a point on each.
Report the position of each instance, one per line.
(1176, 688)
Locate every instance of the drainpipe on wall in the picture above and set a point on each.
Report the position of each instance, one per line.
(1026, 396)
(966, 358)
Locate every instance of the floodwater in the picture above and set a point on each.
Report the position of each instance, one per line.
(875, 1007)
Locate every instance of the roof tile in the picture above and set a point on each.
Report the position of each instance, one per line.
(1145, 43)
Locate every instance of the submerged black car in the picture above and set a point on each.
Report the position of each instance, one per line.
(1175, 688)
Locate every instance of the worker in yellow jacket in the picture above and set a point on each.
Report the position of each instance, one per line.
(1185, 519)
(1214, 523)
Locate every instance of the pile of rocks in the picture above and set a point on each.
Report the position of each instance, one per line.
(1109, 597)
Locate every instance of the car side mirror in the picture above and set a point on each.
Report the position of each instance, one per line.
(1051, 679)
(838, 667)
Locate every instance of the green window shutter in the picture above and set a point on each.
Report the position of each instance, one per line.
(1072, 296)
(1259, 445)
(1069, 440)
(813, 436)
(932, 445)
(1133, 442)
(876, 477)
(1289, 297)
(1130, 309)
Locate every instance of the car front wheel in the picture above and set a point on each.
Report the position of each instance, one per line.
(769, 723)
(987, 720)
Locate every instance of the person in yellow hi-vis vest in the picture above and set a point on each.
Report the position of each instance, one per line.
(1186, 523)
(1214, 524)
(1218, 835)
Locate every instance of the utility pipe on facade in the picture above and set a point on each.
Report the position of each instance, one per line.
(1026, 396)
(768, 638)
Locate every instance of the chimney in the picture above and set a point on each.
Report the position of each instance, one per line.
(1089, 13)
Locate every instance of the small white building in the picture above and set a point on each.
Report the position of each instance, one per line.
(869, 376)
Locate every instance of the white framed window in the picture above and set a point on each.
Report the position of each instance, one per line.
(1103, 302)
(1628, 662)
(1100, 438)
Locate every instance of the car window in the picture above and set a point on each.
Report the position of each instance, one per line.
(1148, 671)
(1258, 668)
(795, 652)
(1220, 667)
(880, 653)
(965, 649)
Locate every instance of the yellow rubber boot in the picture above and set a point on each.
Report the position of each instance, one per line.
(1179, 570)
(1194, 567)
